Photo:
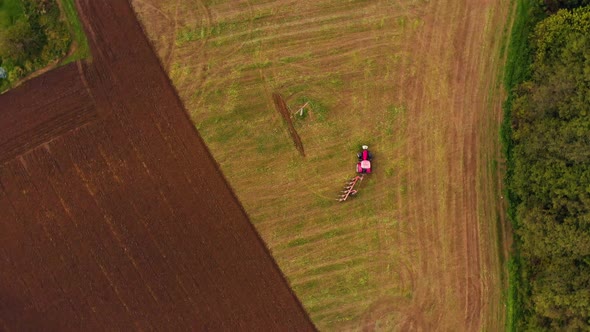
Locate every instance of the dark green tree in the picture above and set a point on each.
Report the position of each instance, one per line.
(19, 41)
(551, 174)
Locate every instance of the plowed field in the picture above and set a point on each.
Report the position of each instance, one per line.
(113, 214)
(421, 246)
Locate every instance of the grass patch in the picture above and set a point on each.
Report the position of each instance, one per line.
(262, 14)
(257, 65)
(291, 59)
(334, 81)
(319, 110)
(217, 128)
(514, 301)
(308, 286)
(271, 143)
(342, 289)
(298, 242)
(344, 285)
(10, 11)
(324, 236)
(516, 71)
(221, 33)
(519, 51)
(296, 88)
(187, 35)
(82, 50)
(394, 111)
(335, 267)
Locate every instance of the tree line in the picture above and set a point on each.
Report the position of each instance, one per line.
(36, 39)
(549, 170)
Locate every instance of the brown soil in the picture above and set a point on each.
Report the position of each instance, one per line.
(113, 215)
(283, 110)
(47, 107)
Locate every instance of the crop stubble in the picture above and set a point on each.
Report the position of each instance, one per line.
(113, 215)
(419, 81)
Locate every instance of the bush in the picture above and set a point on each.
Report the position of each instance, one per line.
(16, 74)
(36, 39)
(550, 175)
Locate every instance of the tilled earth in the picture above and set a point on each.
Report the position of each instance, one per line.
(113, 214)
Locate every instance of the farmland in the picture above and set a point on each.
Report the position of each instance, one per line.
(422, 246)
(113, 214)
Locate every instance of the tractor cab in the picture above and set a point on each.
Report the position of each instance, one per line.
(364, 160)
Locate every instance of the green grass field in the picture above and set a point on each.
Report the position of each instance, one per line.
(417, 81)
(515, 72)
(81, 50)
(10, 11)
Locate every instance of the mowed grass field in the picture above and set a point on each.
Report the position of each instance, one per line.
(422, 245)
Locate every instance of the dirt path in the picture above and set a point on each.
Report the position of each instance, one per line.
(282, 109)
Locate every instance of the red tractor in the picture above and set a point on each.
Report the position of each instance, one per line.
(364, 164)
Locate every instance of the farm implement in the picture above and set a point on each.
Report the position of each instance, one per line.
(362, 167)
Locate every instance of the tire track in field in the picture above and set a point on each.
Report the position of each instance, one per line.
(474, 280)
(418, 145)
(433, 219)
(463, 210)
(472, 253)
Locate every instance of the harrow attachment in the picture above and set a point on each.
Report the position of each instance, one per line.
(349, 188)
